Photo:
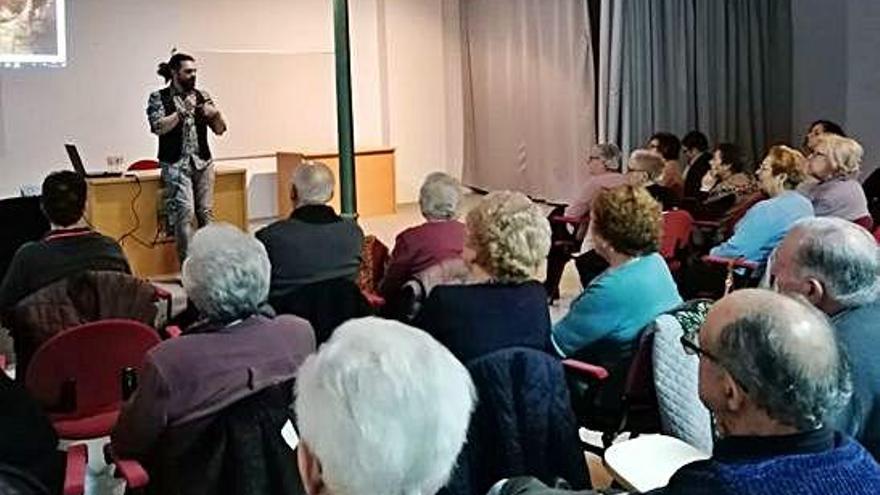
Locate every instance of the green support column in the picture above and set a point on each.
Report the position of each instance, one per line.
(344, 118)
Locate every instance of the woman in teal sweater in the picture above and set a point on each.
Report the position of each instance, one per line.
(604, 322)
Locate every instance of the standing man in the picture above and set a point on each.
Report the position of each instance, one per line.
(180, 115)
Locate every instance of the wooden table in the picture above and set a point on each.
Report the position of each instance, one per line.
(374, 180)
(127, 208)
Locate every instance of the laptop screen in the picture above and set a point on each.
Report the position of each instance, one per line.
(75, 159)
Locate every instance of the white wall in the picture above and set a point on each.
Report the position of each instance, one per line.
(836, 69)
(400, 85)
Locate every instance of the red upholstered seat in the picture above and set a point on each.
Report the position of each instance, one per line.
(77, 374)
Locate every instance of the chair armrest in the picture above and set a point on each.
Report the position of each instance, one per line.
(585, 370)
(707, 224)
(567, 219)
(730, 262)
(374, 300)
(130, 470)
(75, 471)
(173, 331)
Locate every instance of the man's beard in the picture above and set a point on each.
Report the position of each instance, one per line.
(188, 85)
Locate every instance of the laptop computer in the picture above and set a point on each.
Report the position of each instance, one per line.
(77, 163)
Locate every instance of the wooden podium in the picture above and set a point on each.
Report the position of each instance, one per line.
(127, 208)
(374, 180)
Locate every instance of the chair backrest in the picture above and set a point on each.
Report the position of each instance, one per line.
(239, 451)
(94, 355)
(374, 258)
(676, 376)
(144, 165)
(866, 222)
(325, 304)
(677, 225)
(638, 389)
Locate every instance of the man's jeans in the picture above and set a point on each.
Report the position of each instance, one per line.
(188, 193)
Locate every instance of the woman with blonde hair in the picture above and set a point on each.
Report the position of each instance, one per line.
(835, 162)
(768, 221)
(605, 320)
(497, 303)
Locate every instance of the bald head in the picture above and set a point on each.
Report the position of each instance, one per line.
(781, 356)
(832, 262)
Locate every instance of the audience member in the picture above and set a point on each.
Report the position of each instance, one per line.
(726, 185)
(644, 169)
(497, 304)
(441, 236)
(28, 442)
(818, 128)
(70, 248)
(668, 147)
(695, 146)
(239, 350)
(567, 239)
(604, 168)
(314, 244)
(381, 408)
(604, 320)
(835, 265)
(772, 375)
(766, 223)
(835, 163)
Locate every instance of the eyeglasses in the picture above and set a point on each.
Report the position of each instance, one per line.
(689, 341)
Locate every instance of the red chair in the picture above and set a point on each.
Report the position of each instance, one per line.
(636, 411)
(143, 165)
(877, 234)
(75, 472)
(677, 226)
(374, 256)
(865, 222)
(732, 265)
(76, 374)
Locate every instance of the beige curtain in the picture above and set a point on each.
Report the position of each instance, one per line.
(528, 95)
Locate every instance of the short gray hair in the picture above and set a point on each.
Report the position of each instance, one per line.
(439, 197)
(609, 153)
(385, 409)
(647, 162)
(784, 355)
(313, 183)
(842, 255)
(226, 272)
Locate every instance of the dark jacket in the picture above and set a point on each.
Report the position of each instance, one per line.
(523, 424)
(239, 450)
(313, 245)
(28, 442)
(694, 177)
(325, 305)
(856, 330)
(82, 298)
(61, 254)
(474, 320)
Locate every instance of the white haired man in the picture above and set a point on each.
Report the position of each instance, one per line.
(772, 375)
(238, 351)
(314, 244)
(382, 408)
(835, 264)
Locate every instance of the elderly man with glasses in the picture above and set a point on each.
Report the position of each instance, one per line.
(835, 265)
(771, 374)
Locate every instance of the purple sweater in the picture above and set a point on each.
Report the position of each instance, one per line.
(843, 198)
(194, 376)
(419, 248)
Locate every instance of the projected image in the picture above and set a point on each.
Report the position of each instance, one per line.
(32, 32)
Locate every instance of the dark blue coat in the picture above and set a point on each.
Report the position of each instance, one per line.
(523, 424)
